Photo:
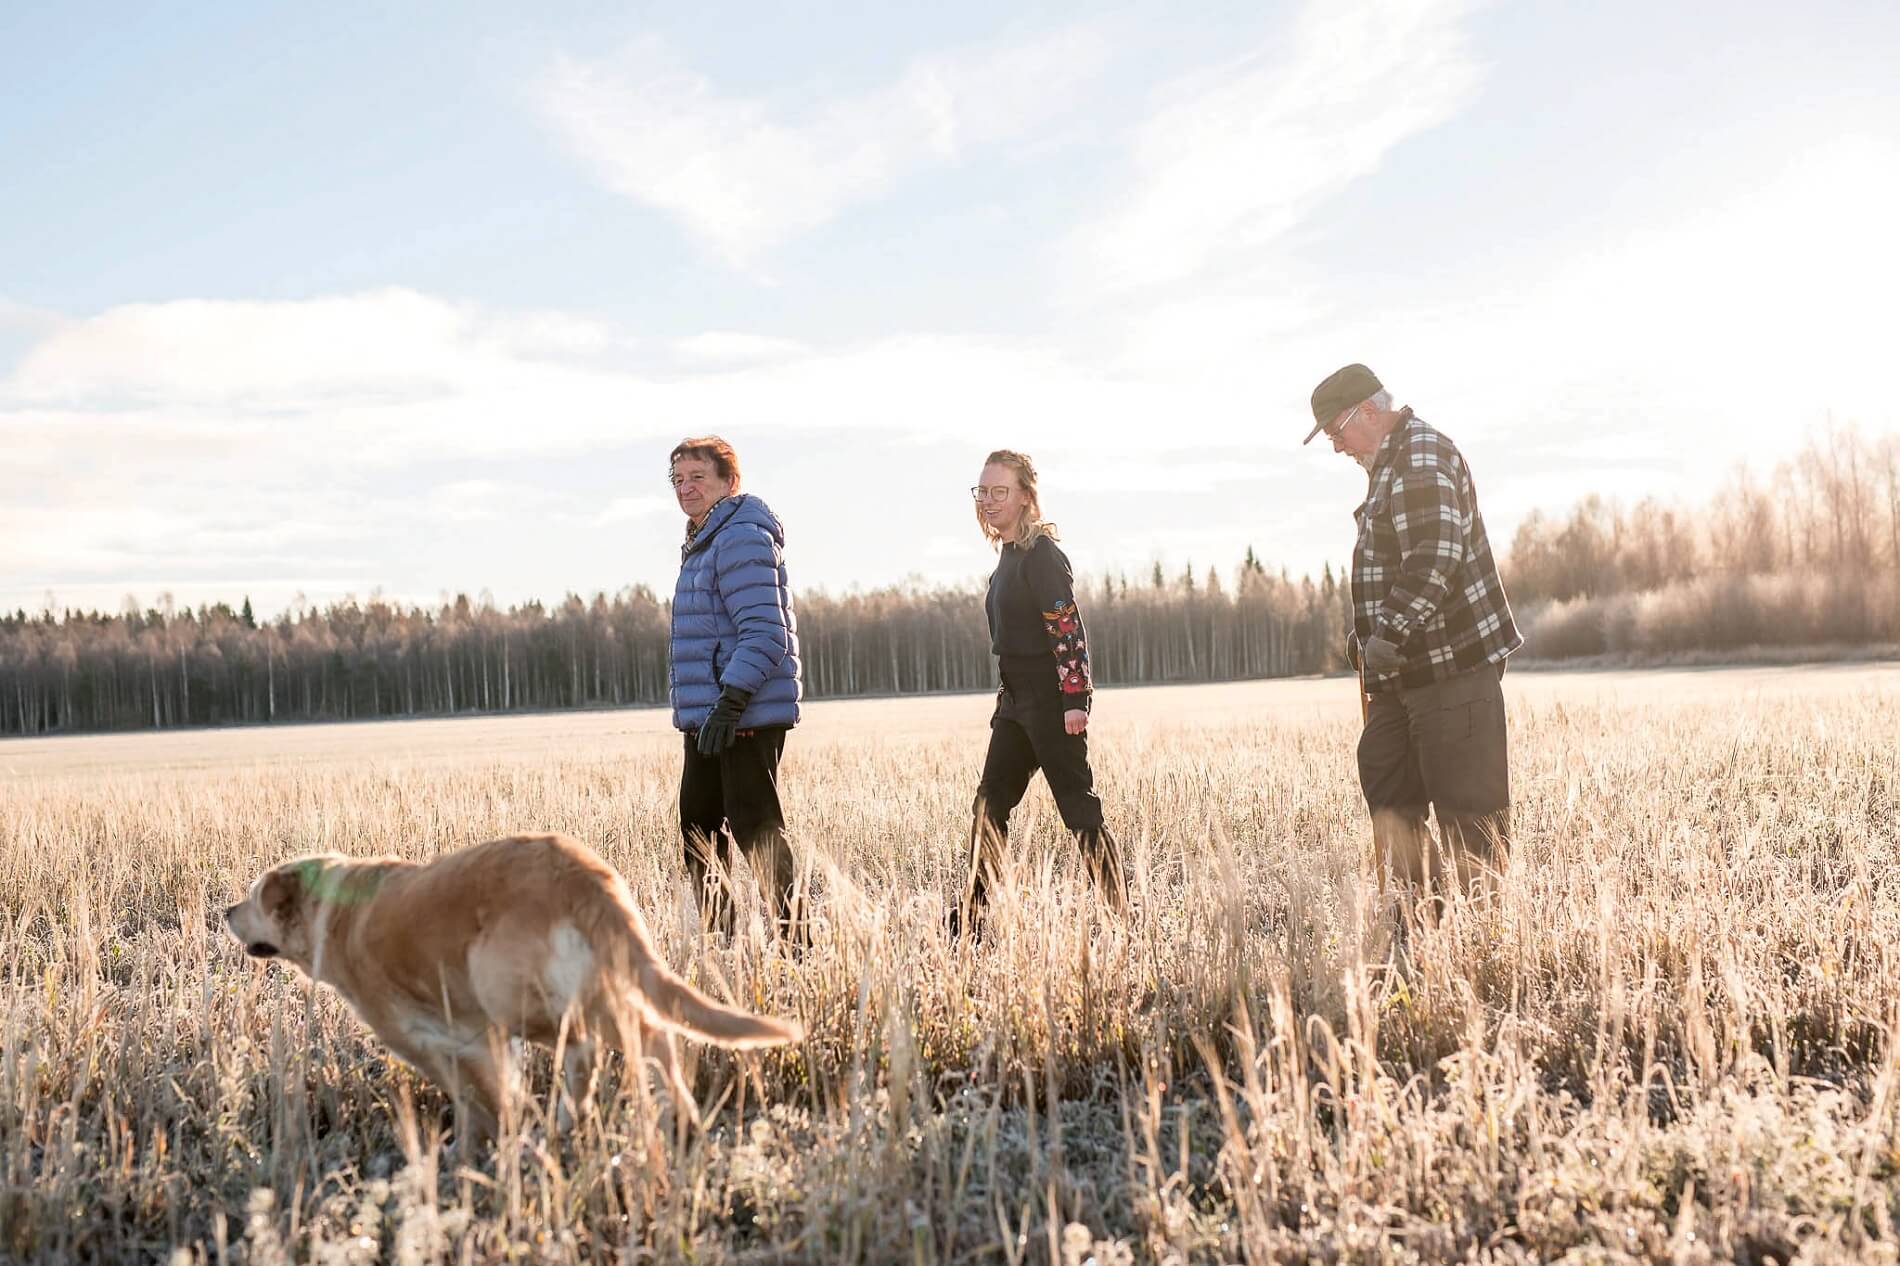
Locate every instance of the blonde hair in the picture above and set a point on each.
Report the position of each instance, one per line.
(1030, 528)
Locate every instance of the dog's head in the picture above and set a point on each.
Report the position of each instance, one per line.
(278, 918)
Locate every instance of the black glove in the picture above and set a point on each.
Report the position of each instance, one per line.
(1381, 656)
(721, 725)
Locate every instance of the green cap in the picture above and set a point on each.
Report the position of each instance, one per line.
(1343, 388)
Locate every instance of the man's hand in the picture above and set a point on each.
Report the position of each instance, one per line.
(1075, 720)
(1381, 656)
(721, 726)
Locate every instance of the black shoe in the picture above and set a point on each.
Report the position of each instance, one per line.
(793, 934)
(953, 924)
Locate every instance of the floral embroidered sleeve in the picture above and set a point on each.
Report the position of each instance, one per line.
(1062, 622)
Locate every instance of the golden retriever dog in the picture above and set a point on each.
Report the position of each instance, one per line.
(532, 937)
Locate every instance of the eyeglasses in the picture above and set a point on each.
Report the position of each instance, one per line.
(996, 492)
(1332, 430)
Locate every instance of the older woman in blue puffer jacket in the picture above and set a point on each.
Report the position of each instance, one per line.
(734, 683)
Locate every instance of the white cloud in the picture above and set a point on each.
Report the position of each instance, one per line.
(554, 335)
(383, 376)
(475, 500)
(381, 344)
(394, 377)
(20, 316)
(173, 444)
(358, 349)
(1786, 284)
(1161, 481)
(1723, 331)
(726, 347)
(169, 442)
(1217, 333)
(1235, 158)
(742, 179)
(79, 539)
(631, 509)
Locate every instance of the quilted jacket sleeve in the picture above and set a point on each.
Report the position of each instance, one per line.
(749, 574)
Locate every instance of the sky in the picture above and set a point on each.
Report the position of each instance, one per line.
(304, 302)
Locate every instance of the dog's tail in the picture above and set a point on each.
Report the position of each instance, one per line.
(660, 996)
(671, 1003)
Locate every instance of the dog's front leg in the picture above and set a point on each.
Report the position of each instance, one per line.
(471, 1080)
(479, 1088)
(580, 1075)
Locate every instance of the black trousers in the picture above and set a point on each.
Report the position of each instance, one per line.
(733, 797)
(1027, 734)
(1444, 746)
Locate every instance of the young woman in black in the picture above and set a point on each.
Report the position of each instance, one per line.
(1042, 708)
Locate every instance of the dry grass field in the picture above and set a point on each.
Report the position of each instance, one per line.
(1671, 1038)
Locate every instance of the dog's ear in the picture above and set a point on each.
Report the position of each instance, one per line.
(281, 894)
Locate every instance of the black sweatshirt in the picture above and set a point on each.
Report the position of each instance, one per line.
(1034, 624)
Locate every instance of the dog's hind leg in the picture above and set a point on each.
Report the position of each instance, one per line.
(580, 1074)
(659, 1046)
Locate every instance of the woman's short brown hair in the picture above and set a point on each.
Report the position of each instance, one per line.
(708, 448)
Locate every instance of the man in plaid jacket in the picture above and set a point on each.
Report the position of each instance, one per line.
(1431, 631)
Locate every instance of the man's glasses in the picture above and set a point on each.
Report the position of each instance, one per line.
(1332, 431)
(997, 492)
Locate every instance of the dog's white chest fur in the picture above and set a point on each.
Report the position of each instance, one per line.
(570, 963)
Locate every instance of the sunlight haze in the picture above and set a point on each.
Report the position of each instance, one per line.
(342, 301)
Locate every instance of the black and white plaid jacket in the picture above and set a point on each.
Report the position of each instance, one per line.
(1422, 573)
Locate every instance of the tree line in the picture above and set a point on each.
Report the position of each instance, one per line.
(1806, 556)
(165, 666)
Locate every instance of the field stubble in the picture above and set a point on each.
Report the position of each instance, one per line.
(1670, 1038)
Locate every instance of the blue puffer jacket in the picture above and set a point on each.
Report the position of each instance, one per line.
(732, 619)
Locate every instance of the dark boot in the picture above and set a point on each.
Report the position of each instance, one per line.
(707, 871)
(989, 847)
(1103, 857)
(1479, 846)
(777, 874)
